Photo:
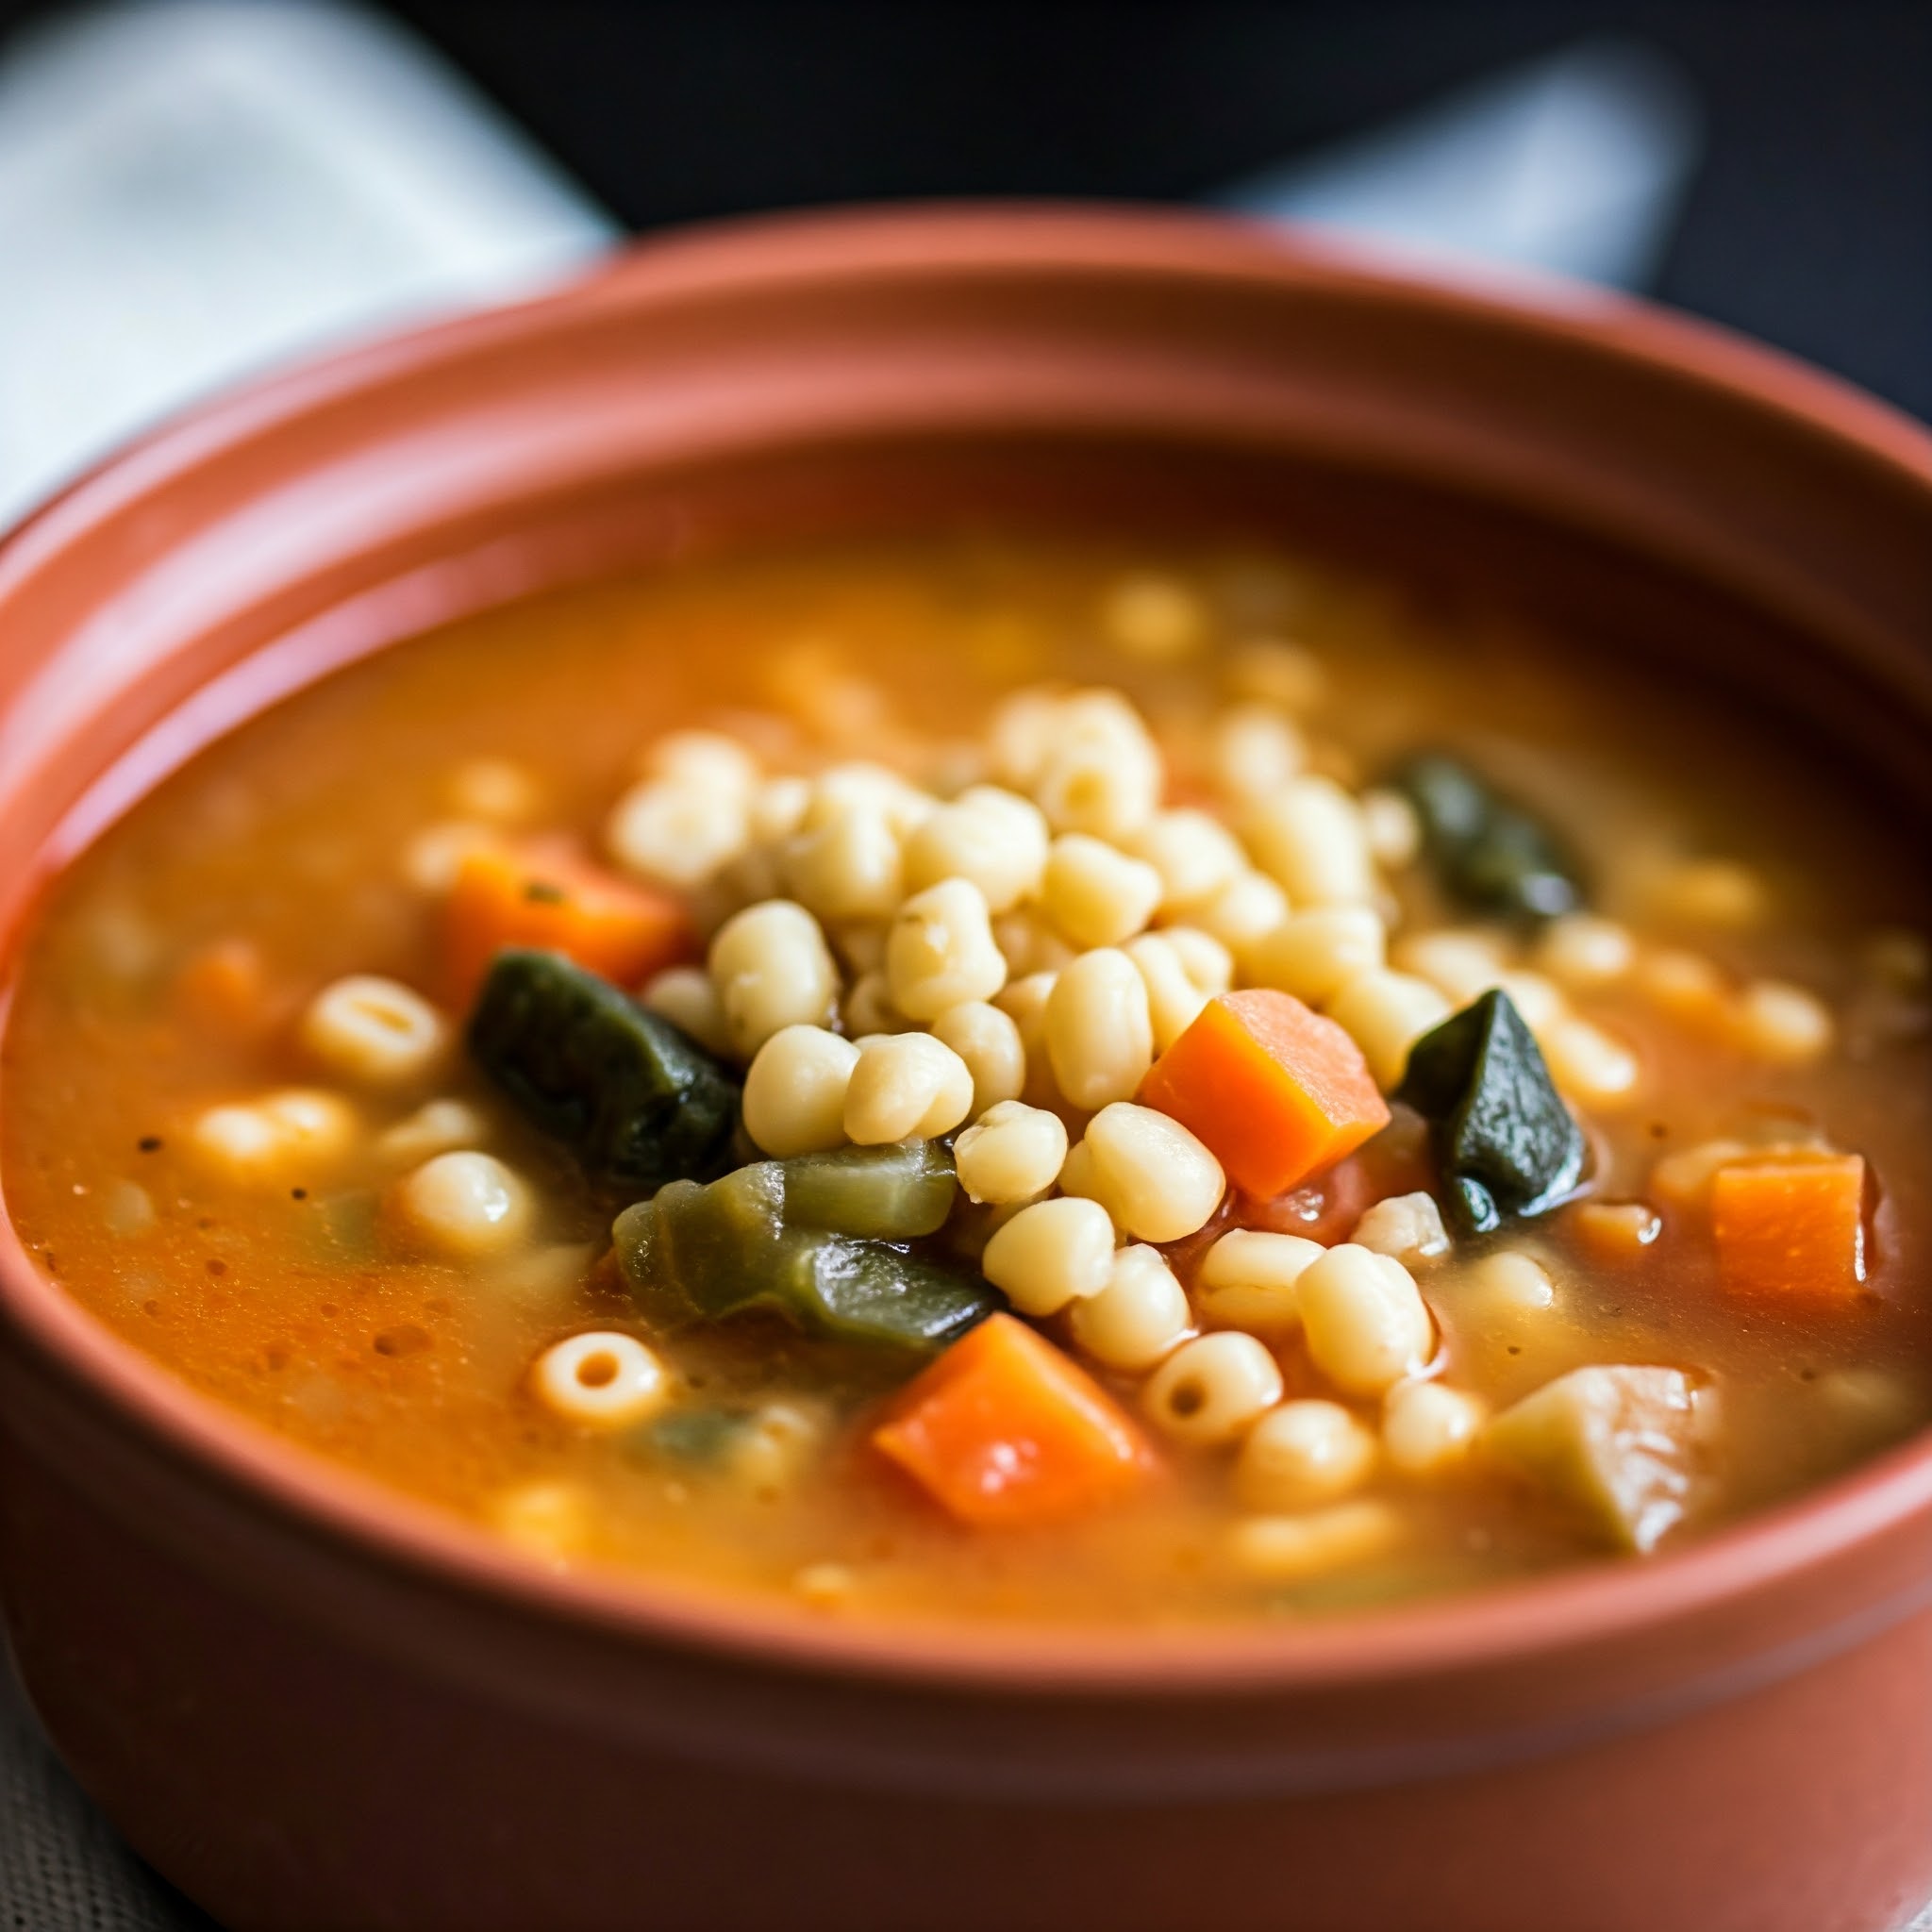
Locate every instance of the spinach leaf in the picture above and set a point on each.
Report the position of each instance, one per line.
(1507, 1147)
(1489, 853)
(634, 1099)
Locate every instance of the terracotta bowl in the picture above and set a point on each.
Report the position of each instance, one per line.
(313, 1703)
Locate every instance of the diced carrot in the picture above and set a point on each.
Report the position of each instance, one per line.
(1275, 1090)
(222, 988)
(1004, 1430)
(547, 896)
(1790, 1228)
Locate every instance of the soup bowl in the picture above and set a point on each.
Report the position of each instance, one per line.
(311, 1702)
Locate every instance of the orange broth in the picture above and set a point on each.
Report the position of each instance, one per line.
(170, 968)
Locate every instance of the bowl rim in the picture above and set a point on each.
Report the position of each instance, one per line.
(361, 1518)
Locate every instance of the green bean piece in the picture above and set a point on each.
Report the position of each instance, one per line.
(1488, 851)
(709, 1253)
(638, 1102)
(860, 1291)
(894, 1194)
(1507, 1147)
(711, 1246)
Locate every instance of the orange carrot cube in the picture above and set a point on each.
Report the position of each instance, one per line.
(548, 897)
(1790, 1228)
(1004, 1430)
(1275, 1092)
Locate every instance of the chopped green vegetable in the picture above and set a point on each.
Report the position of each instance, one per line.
(636, 1101)
(894, 1194)
(715, 1251)
(699, 1435)
(1488, 851)
(1612, 1444)
(1507, 1146)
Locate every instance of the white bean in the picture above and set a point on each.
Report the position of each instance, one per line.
(990, 1044)
(1099, 1030)
(687, 997)
(1173, 1001)
(1192, 852)
(707, 759)
(868, 1007)
(1460, 965)
(498, 789)
(1012, 1152)
(261, 1143)
(1244, 914)
(1366, 1324)
(990, 836)
(1155, 618)
(941, 952)
(1385, 1014)
(772, 969)
(437, 1126)
(1154, 1177)
(1254, 750)
(1050, 1254)
(1304, 1452)
(847, 866)
(1408, 1227)
(1589, 1064)
(1428, 1427)
(1310, 839)
(466, 1204)
(1783, 1025)
(1395, 831)
(1313, 955)
(1107, 788)
(1141, 1316)
(1585, 952)
(1206, 959)
(1248, 1279)
(794, 1092)
(1094, 893)
(675, 833)
(905, 1085)
(867, 788)
(1022, 733)
(1288, 1549)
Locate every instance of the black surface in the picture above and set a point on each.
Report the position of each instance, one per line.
(1811, 224)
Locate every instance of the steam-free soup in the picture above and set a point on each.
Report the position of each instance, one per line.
(1031, 1080)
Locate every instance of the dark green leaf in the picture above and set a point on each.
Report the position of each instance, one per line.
(1506, 1145)
(1488, 851)
(634, 1099)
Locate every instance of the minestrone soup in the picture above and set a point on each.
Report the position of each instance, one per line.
(1027, 1079)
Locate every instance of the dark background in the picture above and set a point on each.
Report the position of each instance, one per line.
(1810, 225)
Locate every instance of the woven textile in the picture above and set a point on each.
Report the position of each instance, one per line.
(61, 1867)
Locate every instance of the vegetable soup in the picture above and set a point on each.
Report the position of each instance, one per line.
(983, 1078)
